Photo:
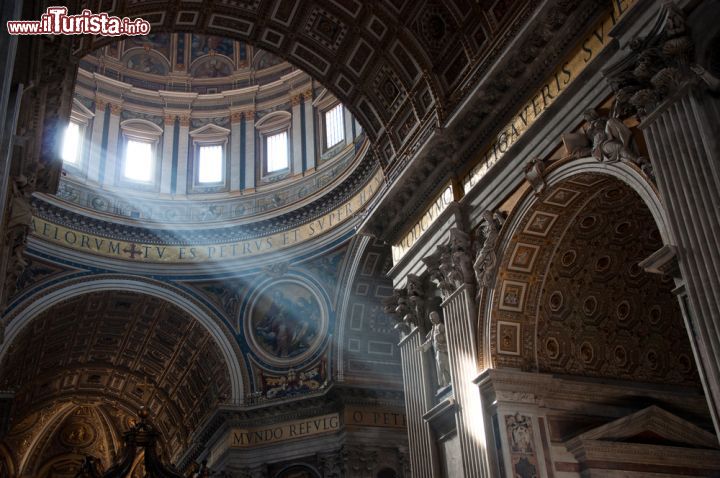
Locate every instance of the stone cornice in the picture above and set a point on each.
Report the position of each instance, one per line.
(332, 399)
(55, 213)
(544, 389)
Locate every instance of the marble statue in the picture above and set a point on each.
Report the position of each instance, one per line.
(486, 259)
(436, 339)
(605, 139)
(462, 272)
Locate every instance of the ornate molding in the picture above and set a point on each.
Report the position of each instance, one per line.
(343, 192)
(486, 261)
(447, 150)
(657, 66)
(116, 109)
(607, 139)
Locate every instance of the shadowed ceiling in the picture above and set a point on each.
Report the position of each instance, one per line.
(120, 347)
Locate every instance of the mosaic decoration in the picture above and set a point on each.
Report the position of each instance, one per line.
(146, 63)
(522, 447)
(211, 68)
(508, 338)
(512, 295)
(294, 382)
(286, 321)
(180, 52)
(153, 41)
(210, 45)
(523, 257)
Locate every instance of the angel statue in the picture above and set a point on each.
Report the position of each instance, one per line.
(605, 139)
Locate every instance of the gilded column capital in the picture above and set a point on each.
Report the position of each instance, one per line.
(115, 109)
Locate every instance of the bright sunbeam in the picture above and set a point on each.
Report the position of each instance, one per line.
(473, 407)
(71, 141)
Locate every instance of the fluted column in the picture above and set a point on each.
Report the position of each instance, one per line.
(249, 150)
(182, 155)
(235, 145)
(111, 153)
(167, 155)
(96, 137)
(296, 135)
(682, 138)
(309, 131)
(459, 313)
(418, 393)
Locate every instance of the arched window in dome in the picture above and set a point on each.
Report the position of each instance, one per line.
(139, 164)
(334, 131)
(73, 141)
(210, 168)
(334, 126)
(209, 158)
(138, 161)
(274, 130)
(277, 152)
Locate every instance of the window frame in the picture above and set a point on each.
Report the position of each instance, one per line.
(288, 154)
(198, 150)
(208, 135)
(125, 176)
(79, 148)
(143, 131)
(277, 122)
(80, 115)
(343, 139)
(325, 155)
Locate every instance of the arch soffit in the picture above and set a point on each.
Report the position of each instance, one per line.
(43, 300)
(556, 175)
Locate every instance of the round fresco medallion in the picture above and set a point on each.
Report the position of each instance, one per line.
(286, 322)
(77, 434)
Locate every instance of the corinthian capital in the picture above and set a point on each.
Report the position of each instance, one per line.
(656, 66)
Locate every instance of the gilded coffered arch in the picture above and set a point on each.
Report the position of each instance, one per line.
(124, 348)
(570, 296)
(38, 301)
